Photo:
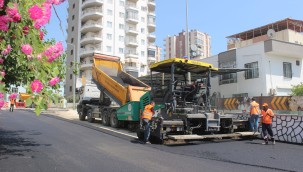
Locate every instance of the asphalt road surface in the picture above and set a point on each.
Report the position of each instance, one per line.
(29, 143)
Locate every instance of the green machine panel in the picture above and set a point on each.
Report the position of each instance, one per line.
(129, 112)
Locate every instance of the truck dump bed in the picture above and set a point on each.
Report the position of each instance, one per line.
(109, 76)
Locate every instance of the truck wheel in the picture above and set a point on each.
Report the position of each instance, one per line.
(81, 116)
(105, 120)
(114, 122)
(90, 116)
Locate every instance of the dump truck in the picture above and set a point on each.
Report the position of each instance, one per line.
(118, 103)
(184, 112)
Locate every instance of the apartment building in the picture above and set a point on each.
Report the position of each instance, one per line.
(123, 28)
(199, 45)
(274, 55)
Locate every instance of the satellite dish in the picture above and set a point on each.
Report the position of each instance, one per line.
(271, 33)
(193, 47)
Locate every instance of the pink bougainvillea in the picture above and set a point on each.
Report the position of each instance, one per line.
(27, 49)
(41, 16)
(35, 12)
(2, 73)
(54, 81)
(7, 50)
(36, 86)
(1, 3)
(56, 2)
(25, 30)
(13, 96)
(2, 103)
(1, 60)
(13, 13)
(54, 51)
(1, 95)
(4, 23)
(41, 35)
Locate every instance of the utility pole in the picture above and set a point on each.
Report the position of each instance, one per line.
(74, 76)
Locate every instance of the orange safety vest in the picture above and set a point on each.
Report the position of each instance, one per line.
(12, 101)
(148, 112)
(267, 116)
(254, 107)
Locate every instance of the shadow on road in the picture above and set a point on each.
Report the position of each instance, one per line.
(15, 143)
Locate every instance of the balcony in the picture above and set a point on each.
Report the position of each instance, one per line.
(91, 14)
(151, 59)
(132, 31)
(151, 5)
(151, 37)
(131, 68)
(91, 39)
(85, 66)
(152, 46)
(133, 55)
(132, 43)
(132, 19)
(91, 3)
(91, 27)
(135, 1)
(283, 49)
(132, 6)
(151, 24)
(85, 52)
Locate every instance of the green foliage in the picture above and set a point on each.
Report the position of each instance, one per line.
(20, 69)
(297, 90)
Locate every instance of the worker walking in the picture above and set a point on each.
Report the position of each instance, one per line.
(266, 117)
(254, 115)
(12, 102)
(146, 118)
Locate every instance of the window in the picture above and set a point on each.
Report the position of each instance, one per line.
(108, 48)
(121, 50)
(253, 72)
(109, 24)
(121, 38)
(14, 90)
(110, 1)
(142, 30)
(73, 17)
(142, 19)
(121, 3)
(70, 89)
(109, 12)
(72, 40)
(71, 76)
(142, 53)
(73, 28)
(121, 26)
(71, 52)
(109, 36)
(143, 8)
(121, 15)
(287, 71)
(142, 42)
(74, 5)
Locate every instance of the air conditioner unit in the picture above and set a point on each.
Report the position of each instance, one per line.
(272, 92)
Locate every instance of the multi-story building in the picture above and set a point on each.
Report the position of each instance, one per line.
(199, 45)
(273, 53)
(123, 28)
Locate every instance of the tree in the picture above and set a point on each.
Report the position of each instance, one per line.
(297, 90)
(26, 58)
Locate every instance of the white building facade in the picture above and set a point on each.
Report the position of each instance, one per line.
(123, 28)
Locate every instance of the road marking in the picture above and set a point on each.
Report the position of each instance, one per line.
(117, 132)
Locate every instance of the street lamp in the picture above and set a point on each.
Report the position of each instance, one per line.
(187, 41)
(74, 76)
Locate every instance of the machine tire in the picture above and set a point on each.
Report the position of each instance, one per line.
(105, 119)
(140, 134)
(114, 122)
(81, 116)
(90, 118)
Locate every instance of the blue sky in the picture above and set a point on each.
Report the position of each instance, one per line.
(218, 18)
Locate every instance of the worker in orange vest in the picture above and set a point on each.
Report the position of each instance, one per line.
(254, 115)
(266, 117)
(146, 118)
(12, 101)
